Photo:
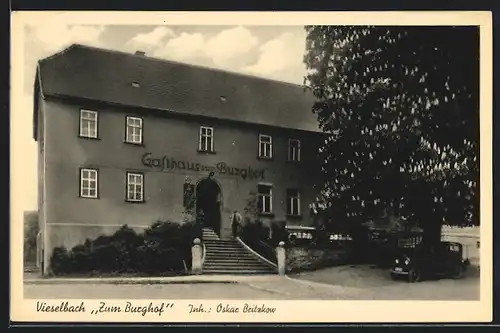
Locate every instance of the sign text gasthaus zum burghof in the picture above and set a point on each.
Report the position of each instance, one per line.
(165, 163)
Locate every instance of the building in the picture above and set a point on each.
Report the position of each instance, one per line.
(122, 136)
(469, 237)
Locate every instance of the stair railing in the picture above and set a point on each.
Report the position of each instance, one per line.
(258, 255)
(259, 248)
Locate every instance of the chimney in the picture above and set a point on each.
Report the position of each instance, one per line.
(140, 53)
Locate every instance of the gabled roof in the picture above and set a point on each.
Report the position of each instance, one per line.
(144, 82)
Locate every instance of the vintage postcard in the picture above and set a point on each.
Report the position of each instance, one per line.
(251, 167)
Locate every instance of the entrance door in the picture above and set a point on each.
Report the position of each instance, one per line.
(208, 195)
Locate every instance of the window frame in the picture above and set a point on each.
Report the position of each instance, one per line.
(141, 130)
(81, 121)
(201, 136)
(263, 196)
(81, 187)
(296, 149)
(127, 183)
(270, 143)
(290, 199)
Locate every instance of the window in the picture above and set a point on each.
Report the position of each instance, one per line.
(88, 124)
(265, 198)
(293, 202)
(294, 150)
(133, 130)
(265, 146)
(88, 183)
(135, 187)
(206, 139)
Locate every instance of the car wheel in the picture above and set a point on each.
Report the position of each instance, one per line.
(394, 276)
(413, 276)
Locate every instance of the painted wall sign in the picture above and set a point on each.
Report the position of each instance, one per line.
(165, 163)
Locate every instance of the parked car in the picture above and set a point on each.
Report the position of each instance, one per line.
(424, 262)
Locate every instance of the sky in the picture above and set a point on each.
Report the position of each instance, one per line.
(273, 52)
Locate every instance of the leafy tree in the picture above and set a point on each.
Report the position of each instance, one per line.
(400, 107)
(31, 230)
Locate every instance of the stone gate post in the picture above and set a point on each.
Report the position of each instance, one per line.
(196, 253)
(281, 256)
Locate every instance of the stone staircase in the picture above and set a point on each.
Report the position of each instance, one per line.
(230, 257)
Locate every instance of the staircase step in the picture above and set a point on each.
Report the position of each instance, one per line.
(224, 247)
(221, 241)
(224, 270)
(230, 266)
(227, 256)
(232, 259)
(237, 269)
(237, 272)
(223, 251)
(221, 244)
(244, 257)
(210, 249)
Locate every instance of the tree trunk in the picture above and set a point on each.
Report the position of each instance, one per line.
(432, 233)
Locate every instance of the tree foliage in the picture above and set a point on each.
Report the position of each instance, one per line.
(400, 107)
(31, 230)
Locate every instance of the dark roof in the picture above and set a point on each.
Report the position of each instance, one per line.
(108, 76)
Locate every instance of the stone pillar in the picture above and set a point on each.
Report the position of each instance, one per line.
(196, 254)
(281, 256)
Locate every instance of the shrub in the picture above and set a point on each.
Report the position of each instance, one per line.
(164, 247)
(254, 231)
(256, 235)
(307, 259)
(81, 259)
(167, 246)
(59, 261)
